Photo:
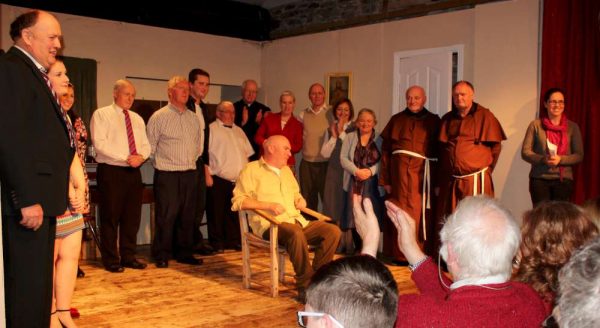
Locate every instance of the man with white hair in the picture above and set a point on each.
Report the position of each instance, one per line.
(479, 242)
(579, 289)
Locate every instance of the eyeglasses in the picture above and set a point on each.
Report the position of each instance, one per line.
(303, 318)
(556, 102)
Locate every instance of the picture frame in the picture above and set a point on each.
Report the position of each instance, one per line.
(338, 85)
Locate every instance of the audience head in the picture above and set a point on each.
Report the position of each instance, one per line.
(551, 232)
(356, 291)
(287, 102)
(592, 208)
(415, 98)
(124, 94)
(462, 95)
(366, 120)
(57, 74)
(344, 110)
(277, 151)
(480, 239)
(38, 33)
(579, 294)
(226, 112)
(316, 94)
(199, 83)
(249, 91)
(178, 91)
(554, 103)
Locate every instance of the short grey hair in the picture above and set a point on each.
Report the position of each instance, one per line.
(484, 236)
(121, 83)
(287, 93)
(579, 288)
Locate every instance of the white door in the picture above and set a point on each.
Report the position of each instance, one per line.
(431, 69)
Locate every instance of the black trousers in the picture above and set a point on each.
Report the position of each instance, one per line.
(201, 203)
(312, 182)
(120, 211)
(28, 266)
(223, 224)
(175, 196)
(543, 189)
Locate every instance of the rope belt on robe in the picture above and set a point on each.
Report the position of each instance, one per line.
(426, 195)
(479, 174)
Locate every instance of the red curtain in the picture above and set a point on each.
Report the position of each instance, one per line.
(571, 61)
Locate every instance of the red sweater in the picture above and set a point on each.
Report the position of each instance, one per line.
(509, 304)
(271, 125)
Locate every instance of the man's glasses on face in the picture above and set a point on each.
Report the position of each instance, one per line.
(303, 318)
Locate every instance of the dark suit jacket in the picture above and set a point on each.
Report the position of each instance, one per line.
(35, 154)
(251, 126)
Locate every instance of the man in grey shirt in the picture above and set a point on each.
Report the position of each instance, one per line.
(174, 135)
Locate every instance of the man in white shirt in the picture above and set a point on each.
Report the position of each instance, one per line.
(199, 87)
(229, 149)
(121, 145)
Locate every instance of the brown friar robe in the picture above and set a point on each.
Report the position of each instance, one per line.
(415, 132)
(469, 144)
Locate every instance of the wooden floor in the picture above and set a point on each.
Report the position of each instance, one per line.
(210, 295)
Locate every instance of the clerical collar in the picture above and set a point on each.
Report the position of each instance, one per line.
(420, 114)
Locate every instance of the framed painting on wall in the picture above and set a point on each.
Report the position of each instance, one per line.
(338, 86)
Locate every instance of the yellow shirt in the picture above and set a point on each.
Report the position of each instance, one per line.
(258, 181)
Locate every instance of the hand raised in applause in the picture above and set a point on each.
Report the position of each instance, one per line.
(407, 234)
(366, 224)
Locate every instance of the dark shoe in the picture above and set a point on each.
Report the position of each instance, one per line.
(135, 264)
(237, 247)
(80, 273)
(114, 268)
(190, 260)
(205, 250)
(161, 264)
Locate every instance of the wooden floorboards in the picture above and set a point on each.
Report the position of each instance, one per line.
(210, 295)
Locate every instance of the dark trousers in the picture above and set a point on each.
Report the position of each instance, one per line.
(312, 182)
(120, 191)
(175, 196)
(325, 236)
(201, 203)
(28, 266)
(542, 189)
(223, 224)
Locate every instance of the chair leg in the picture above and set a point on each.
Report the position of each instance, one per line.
(246, 269)
(274, 263)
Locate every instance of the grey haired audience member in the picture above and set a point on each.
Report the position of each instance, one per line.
(579, 290)
(357, 291)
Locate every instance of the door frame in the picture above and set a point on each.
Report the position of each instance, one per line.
(399, 55)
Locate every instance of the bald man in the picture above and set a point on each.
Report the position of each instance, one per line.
(36, 150)
(269, 184)
(409, 147)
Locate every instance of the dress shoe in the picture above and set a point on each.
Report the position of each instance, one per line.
(190, 260)
(162, 264)
(135, 264)
(205, 250)
(114, 268)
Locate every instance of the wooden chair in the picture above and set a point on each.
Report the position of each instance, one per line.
(276, 252)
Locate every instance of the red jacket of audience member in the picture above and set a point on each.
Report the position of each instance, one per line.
(509, 304)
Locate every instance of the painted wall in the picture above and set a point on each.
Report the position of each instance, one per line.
(500, 56)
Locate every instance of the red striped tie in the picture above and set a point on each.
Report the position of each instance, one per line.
(130, 137)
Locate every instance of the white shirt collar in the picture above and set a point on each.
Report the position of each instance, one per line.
(496, 279)
(35, 62)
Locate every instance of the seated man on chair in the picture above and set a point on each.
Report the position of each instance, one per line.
(269, 184)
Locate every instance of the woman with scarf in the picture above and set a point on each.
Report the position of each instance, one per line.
(360, 157)
(552, 145)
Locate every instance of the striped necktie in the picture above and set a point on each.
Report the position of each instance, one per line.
(130, 137)
(70, 129)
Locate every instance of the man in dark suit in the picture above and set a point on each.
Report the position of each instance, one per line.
(249, 114)
(35, 155)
